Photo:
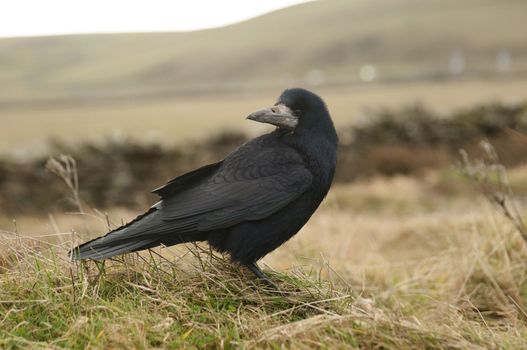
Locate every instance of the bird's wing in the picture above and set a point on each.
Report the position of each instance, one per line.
(245, 187)
(189, 179)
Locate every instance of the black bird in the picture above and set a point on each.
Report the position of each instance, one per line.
(251, 202)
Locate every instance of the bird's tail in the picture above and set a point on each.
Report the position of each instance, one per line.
(146, 231)
(136, 235)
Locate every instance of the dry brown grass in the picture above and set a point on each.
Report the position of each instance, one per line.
(387, 263)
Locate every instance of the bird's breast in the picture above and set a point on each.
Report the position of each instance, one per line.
(320, 158)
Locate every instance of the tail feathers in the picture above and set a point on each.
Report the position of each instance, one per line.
(92, 251)
(145, 231)
(136, 235)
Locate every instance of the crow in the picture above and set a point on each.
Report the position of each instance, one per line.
(251, 202)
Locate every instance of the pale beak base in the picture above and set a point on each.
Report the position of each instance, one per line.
(279, 115)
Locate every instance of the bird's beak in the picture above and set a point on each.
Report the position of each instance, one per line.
(279, 115)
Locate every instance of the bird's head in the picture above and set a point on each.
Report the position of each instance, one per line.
(297, 109)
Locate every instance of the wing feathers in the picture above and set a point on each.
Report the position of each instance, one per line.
(224, 203)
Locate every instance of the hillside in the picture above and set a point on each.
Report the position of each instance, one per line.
(324, 40)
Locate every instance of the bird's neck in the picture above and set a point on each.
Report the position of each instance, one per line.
(319, 152)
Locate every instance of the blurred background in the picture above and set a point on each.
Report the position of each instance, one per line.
(408, 83)
(102, 101)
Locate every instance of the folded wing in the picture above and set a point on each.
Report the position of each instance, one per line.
(242, 189)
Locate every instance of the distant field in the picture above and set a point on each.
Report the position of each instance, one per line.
(402, 39)
(85, 87)
(174, 120)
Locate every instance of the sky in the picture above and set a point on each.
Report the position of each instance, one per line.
(55, 17)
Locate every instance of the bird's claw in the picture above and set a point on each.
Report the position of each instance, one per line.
(262, 276)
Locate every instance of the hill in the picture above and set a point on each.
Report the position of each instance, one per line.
(324, 41)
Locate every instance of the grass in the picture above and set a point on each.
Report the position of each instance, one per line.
(155, 303)
(152, 303)
(387, 263)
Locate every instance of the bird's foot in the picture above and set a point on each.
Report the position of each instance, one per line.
(262, 276)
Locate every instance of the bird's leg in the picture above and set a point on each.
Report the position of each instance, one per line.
(259, 273)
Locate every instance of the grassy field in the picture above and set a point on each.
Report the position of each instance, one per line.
(400, 262)
(388, 263)
(26, 129)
